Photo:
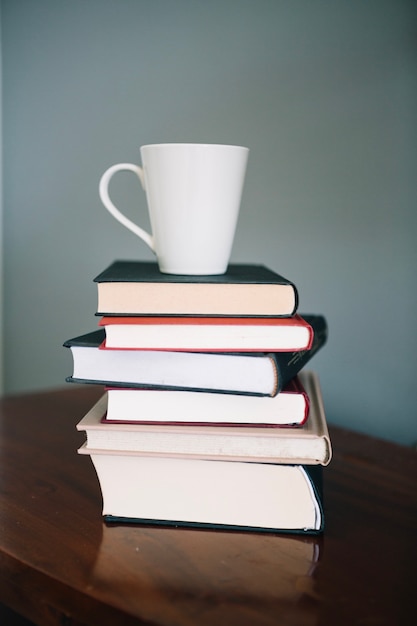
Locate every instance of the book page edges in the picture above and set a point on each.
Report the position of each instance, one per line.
(311, 383)
(86, 450)
(183, 298)
(315, 428)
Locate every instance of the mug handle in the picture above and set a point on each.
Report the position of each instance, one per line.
(118, 215)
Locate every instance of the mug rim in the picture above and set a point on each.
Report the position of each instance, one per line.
(175, 144)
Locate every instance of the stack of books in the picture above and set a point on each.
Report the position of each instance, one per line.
(209, 417)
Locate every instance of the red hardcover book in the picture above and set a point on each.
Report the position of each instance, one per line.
(225, 334)
(263, 373)
(307, 444)
(163, 406)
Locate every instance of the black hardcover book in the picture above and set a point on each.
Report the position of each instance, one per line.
(253, 373)
(139, 288)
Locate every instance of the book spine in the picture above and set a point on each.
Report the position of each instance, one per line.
(289, 364)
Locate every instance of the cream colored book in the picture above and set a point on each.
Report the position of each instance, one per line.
(220, 494)
(308, 444)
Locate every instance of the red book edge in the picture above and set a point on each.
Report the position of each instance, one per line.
(295, 320)
(293, 386)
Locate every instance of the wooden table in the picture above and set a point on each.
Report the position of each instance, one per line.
(59, 564)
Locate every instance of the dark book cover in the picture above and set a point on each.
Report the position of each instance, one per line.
(148, 272)
(288, 364)
(92, 339)
(140, 288)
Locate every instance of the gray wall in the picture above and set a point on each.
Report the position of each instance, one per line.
(1, 231)
(323, 93)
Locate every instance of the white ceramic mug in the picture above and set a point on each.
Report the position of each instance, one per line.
(193, 193)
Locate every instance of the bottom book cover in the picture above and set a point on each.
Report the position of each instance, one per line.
(263, 497)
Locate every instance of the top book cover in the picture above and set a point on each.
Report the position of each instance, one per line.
(139, 288)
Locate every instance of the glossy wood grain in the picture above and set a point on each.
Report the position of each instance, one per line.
(59, 564)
